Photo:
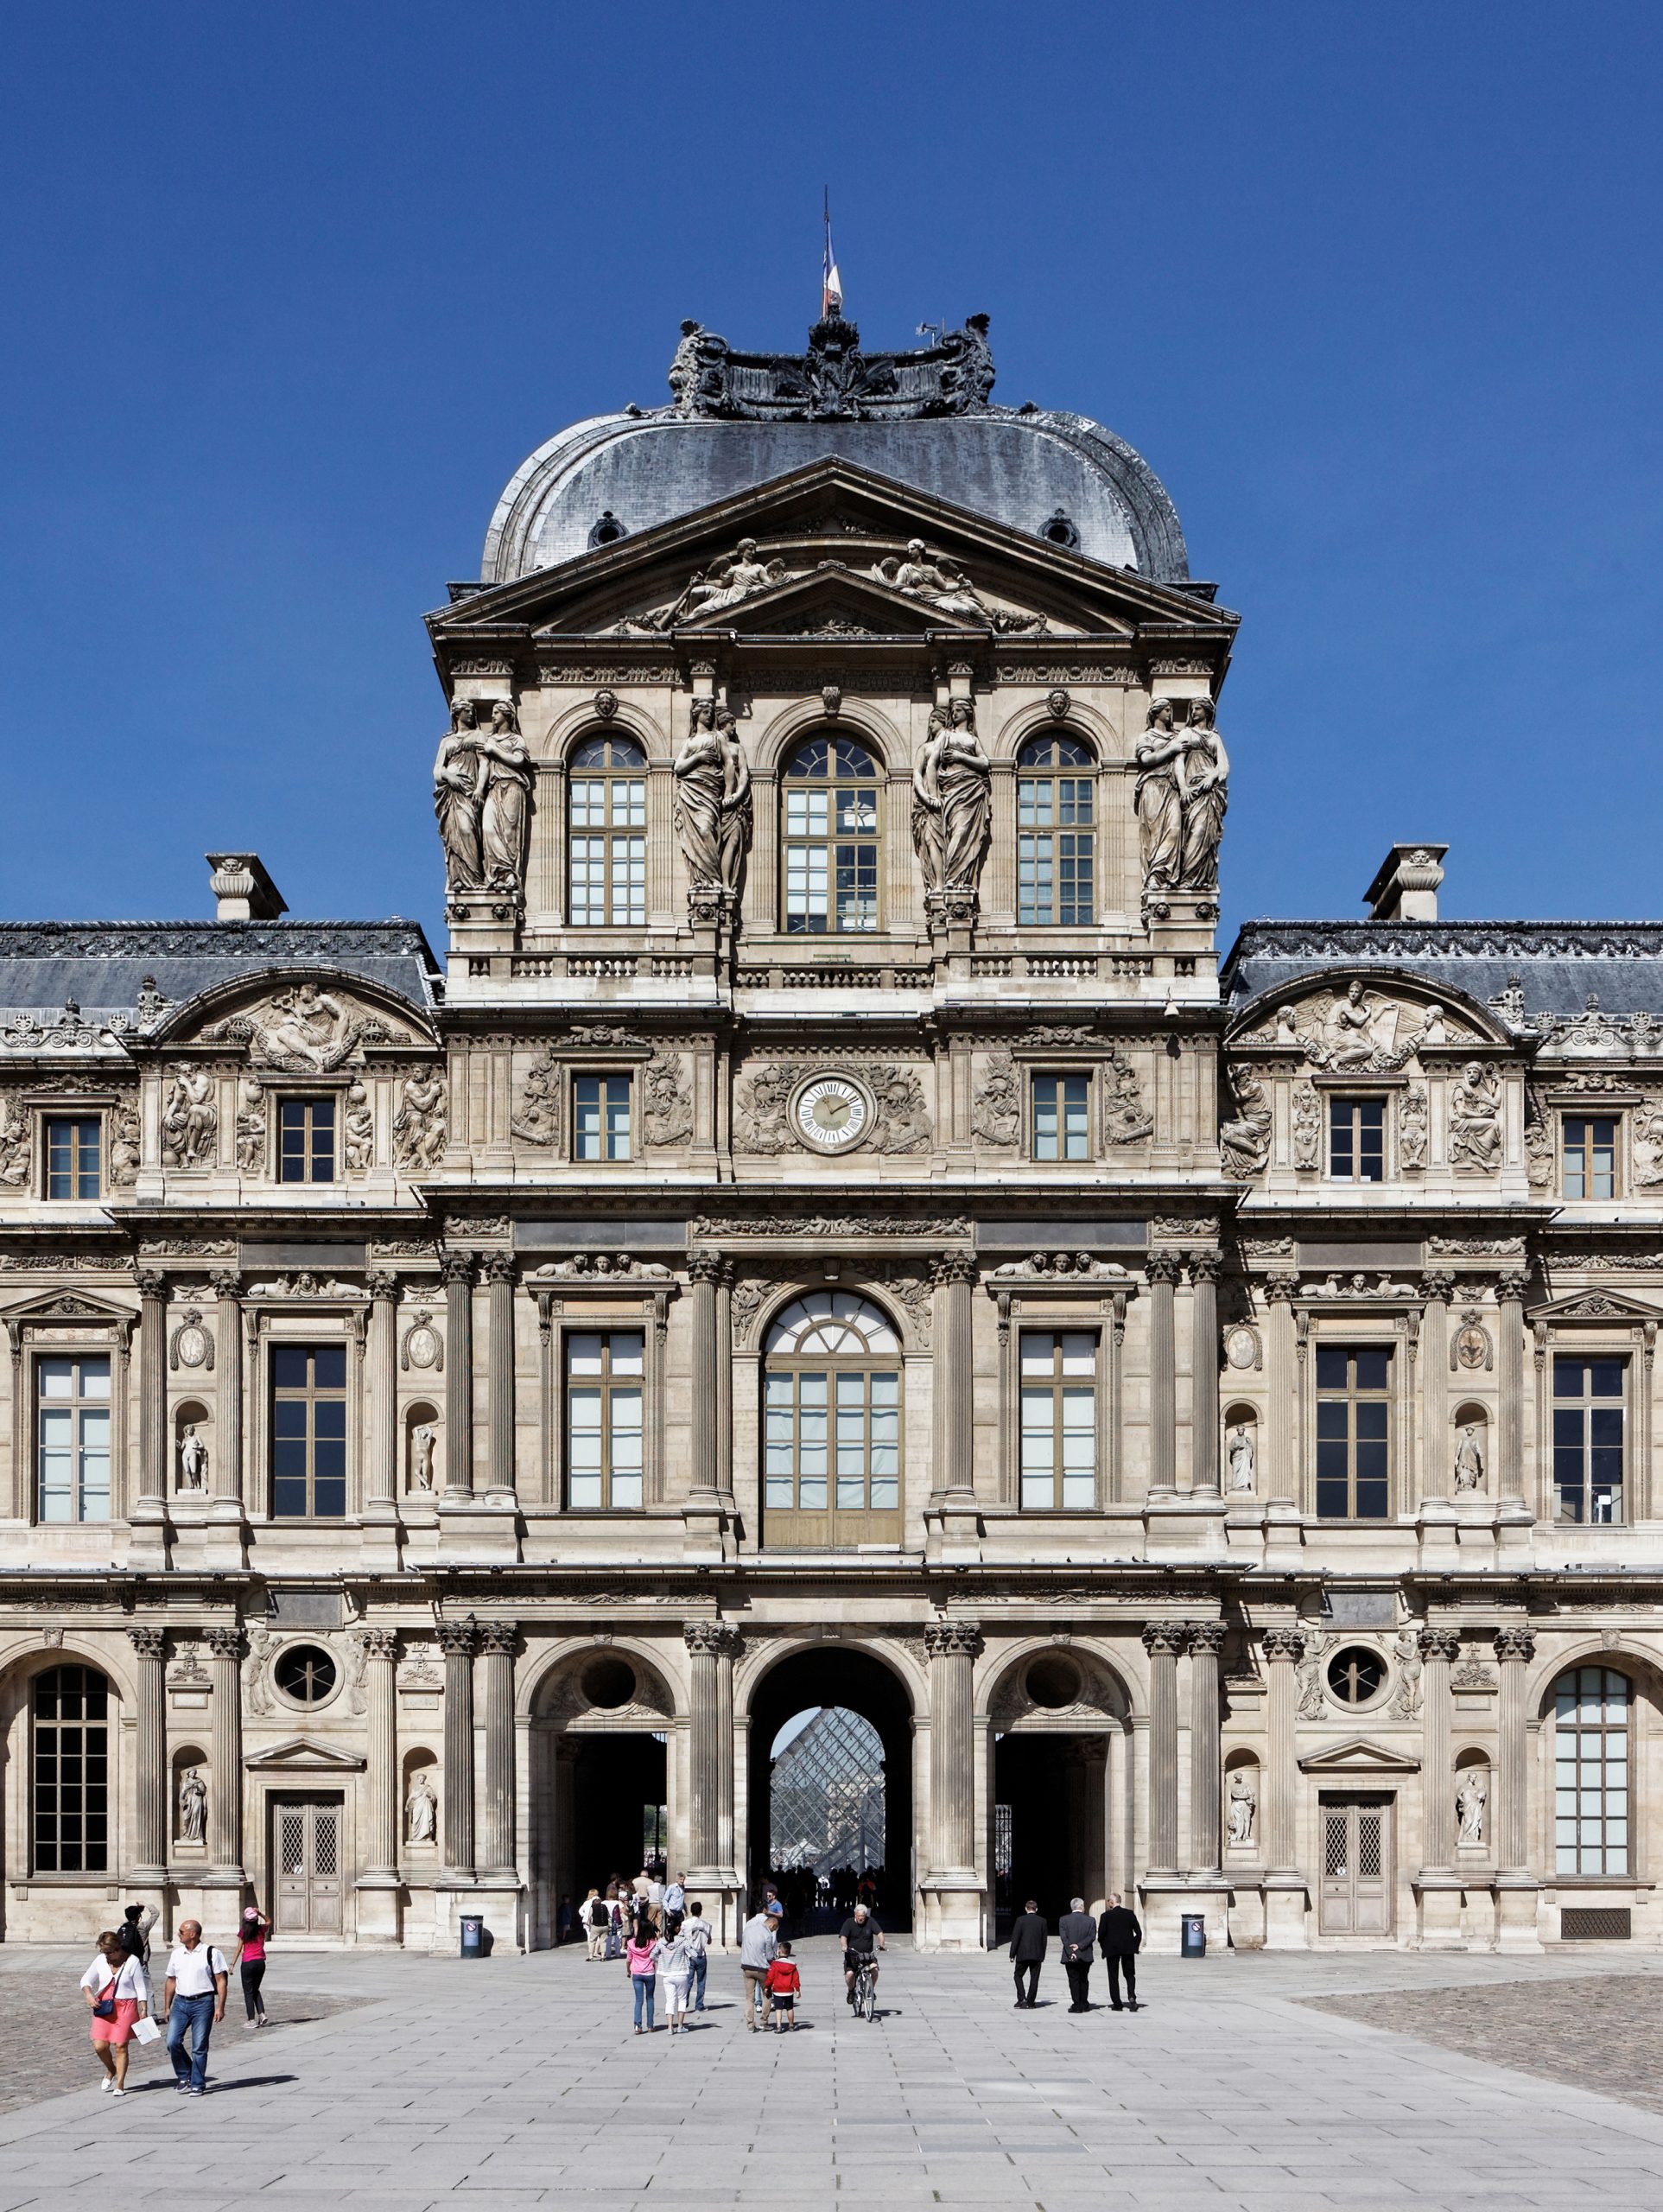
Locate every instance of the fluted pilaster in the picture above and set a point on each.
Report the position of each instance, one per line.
(380, 1649)
(227, 1470)
(457, 1269)
(498, 1641)
(1284, 1648)
(458, 1641)
(1439, 1649)
(1510, 1385)
(952, 1647)
(706, 1271)
(380, 1486)
(500, 1275)
(1515, 1647)
(953, 1273)
(1164, 1640)
(1203, 1387)
(711, 1647)
(1163, 1269)
(225, 1647)
(150, 1755)
(1206, 1745)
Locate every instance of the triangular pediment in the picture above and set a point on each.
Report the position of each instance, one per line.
(69, 1306)
(1597, 1306)
(303, 1752)
(835, 512)
(1358, 1756)
(834, 600)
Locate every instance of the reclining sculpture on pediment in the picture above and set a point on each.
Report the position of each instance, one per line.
(1360, 1031)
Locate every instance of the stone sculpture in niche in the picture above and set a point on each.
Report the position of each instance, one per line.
(250, 1126)
(192, 1461)
(669, 1110)
(1470, 1460)
(1244, 1143)
(421, 1810)
(1470, 1800)
(1412, 1129)
(1243, 1808)
(1476, 1121)
(422, 1443)
(1407, 1701)
(419, 1124)
(713, 799)
(193, 1807)
(125, 1142)
(996, 1113)
(1241, 1457)
(1127, 1119)
(359, 1130)
(1307, 1126)
(190, 1120)
(952, 802)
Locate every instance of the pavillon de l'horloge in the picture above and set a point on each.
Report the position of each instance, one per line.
(830, 1234)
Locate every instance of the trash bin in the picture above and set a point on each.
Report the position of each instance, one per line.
(1193, 1945)
(473, 1936)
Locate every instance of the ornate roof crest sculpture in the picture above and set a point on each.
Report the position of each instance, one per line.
(833, 380)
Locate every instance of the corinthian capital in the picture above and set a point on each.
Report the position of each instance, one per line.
(1516, 1644)
(953, 1267)
(1206, 1636)
(1284, 1644)
(456, 1266)
(952, 1640)
(1163, 1267)
(457, 1639)
(226, 1643)
(711, 1639)
(147, 1642)
(1165, 1639)
(379, 1643)
(499, 1637)
(705, 1265)
(1440, 1643)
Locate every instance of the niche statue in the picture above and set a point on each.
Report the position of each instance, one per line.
(713, 799)
(952, 801)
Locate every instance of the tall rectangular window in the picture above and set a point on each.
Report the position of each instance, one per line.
(1059, 1419)
(1588, 1437)
(308, 1432)
(604, 1378)
(1354, 1432)
(1590, 1771)
(1062, 1117)
(606, 834)
(73, 1439)
(1054, 850)
(600, 1117)
(1591, 1158)
(72, 1150)
(71, 1809)
(1356, 1139)
(306, 1140)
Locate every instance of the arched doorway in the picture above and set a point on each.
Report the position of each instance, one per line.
(852, 1703)
(1061, 1796)
(600, 1779)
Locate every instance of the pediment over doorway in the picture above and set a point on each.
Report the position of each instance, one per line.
(1358, 1756)
(299, 1754)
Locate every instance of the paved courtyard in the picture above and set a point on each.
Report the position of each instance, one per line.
(1267, 2083)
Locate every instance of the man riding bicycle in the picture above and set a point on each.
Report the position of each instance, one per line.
(858, 1933)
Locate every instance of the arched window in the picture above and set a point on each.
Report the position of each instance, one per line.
(71, 1771)
(832, 1419)
(1056, 774)
(606, 833)
(1591, 1706)
(831, 838)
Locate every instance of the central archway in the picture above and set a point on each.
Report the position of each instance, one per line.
(832, 1680)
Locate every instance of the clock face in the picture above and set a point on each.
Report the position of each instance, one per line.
(832, 1113)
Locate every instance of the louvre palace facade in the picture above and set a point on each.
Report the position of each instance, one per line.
(831, 1232)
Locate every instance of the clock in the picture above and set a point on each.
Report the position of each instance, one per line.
(831, 1113)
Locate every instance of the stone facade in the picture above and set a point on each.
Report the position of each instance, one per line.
(831, 1233)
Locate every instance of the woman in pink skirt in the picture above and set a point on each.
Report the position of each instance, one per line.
(115, 1980)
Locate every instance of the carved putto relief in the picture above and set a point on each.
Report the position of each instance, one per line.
(538, 1118)
(250, 1134)
(358, 1129)
(1307, 1126)
(996, 1110)
(1412, 1129)
(1361, 1032)
(1126, 1118)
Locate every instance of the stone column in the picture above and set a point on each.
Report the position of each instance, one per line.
(953, 1276)
(458, 1641)
(953, 1886)
(1203, 1388)
(498, 1639)
(1510, 1387)
(1206, 1746)
(1163, 1641)
(711, 1648)
(228, 1459)
(381, 1484)
(150, 1756)
(1439, 1649)
(499, 1273)
(1162, 1270)
(149, 1543)
(1285, 1900)
(457, 1269)
(226, 1760)
(1515, 1647)
(381, 1795)
(706, 1270)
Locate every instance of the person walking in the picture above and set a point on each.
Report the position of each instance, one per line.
(643, 1952)
(758, 1942)
(616, 1924)
(1030, 1940)
(118, 1991)
(697, 1933)
(597, 1919)
(195, 1992)
(677, 1966)
(656, 1899)
(1120, 1939)
(675, 1897)
(1077, 1932)
(785, 1985)
(134, 1931)
(251, 1939)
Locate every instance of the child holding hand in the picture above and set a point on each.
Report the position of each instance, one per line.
(784, 1981)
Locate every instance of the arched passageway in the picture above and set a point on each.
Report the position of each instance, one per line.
(832, 1681)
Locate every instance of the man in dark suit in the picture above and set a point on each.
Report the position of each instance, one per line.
(1119, 1938)
(1077, 1931)
(1030, 1939)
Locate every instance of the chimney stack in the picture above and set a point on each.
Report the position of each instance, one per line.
(244, 892)
(1405, 888)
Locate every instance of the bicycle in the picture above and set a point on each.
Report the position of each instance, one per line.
(866, 1988)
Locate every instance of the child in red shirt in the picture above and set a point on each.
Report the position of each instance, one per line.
(783, 1982)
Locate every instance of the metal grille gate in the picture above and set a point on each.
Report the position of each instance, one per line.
(1356, 1834)
(305, 1853)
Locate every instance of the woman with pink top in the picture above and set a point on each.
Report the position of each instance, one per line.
(642, 1952)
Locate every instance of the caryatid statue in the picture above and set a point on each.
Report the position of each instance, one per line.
(1207, 793)
(713, 799)
(456, 799)
(952, 801)
(1181, 792)
(504, 801)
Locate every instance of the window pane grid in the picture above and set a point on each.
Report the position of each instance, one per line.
(603, 1428)
(71, 1755)
(1353, 1433)
(1356, 1139)
(72, 1442)
(308, 1432)
(1058, 1419)
(306, 1140)
(1062, 1117)
(1054, 851)
(1589, 1440)
(73, 1149)
(831, 840)
(607, 865)
(600, 1117)
(1590, 1771)
(1591, 1158)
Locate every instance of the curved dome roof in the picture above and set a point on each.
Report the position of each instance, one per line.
(1046, 472)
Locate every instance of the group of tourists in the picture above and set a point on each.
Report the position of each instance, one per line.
(117, 1990)
(1115, 1933)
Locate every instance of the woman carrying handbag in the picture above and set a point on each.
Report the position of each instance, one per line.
(117, 1992)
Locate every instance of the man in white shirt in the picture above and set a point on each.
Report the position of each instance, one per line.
(758, 1947)
(197, 1974)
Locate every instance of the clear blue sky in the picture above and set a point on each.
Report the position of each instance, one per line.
(292, 290)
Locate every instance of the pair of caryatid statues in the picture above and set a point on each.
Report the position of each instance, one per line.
(1182, 789)
(482, 797)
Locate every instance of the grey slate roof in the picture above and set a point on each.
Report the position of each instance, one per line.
(103, 966)
(1555, 964)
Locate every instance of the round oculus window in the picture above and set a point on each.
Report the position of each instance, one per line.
(831, 1113)
(304, 1673)
(1053, 1682)
(609, 1683)
(1356, 1675)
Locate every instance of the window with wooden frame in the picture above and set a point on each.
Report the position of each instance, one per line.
(1060, 1106)
(1590, 1439)
(604, 1433)
(830, 839)
(1353, 1431)
(71, 1754)
(72, 1391)
(606, 833)
(306, 1140)
(1592, 1709)
(1356, 1139)
(1059, 1420)
(832, 1424)
(1589, 1156)
(74, 1156)
(601, 1117)
(1056, 784)
(308, 1432)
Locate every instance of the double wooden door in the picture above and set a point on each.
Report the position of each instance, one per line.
(305, 1853)
(1356, 1845)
